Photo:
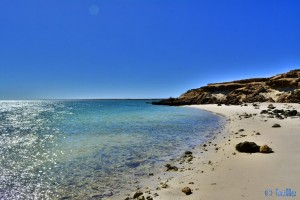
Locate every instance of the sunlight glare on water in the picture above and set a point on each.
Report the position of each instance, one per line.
(81, 149)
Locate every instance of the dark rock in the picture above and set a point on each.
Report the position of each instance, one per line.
(290, 113)
(276, 111)
(264, 112)
(137, 194)
(187, 190)
(276, 126)
(188, 153)
(171, 168)
(65, 197)
(149, 198)
(247, 147)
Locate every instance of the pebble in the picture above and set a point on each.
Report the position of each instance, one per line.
(276, 126)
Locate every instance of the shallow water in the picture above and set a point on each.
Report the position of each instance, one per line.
(90, 149)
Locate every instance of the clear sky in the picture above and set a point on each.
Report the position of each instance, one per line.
(141, 48)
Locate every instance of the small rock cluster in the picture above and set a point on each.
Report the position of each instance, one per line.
(251, 147)
(279, 114)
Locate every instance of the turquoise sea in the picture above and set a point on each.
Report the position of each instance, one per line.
(90, 149)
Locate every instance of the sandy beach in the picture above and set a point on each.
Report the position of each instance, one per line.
(217, 171)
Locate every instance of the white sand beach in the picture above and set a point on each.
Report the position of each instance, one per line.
(218, 171)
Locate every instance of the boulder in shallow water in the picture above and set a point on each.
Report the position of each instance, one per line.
(265, 149)
(247, 147)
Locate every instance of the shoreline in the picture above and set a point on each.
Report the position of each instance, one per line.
(218, 171)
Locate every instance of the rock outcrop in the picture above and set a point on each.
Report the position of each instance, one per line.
(282, 88)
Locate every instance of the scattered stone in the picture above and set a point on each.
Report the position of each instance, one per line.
(264, 112)
(265, 149)
(270, 106)
(233, 153)
(164, 185)
(171, 168)
(187, 190)
(247, 147)
(149, 198)
(66, 197)
(155, 195)
(190, 158)
(137, 194)
(276, 126)
(151, 174)
(141, 198)
(188, 153)
(191, 183)
(257, 133)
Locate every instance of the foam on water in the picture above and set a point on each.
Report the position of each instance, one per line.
(81, 149)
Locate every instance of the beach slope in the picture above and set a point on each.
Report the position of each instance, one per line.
(219, 171)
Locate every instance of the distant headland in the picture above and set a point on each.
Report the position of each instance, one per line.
(281, 88)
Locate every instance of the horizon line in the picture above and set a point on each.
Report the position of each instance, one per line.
(63, 99)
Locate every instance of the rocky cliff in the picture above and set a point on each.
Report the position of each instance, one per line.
(282, 88)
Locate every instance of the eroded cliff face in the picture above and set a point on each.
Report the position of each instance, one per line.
(282, 88)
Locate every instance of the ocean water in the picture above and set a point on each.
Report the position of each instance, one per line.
(90, 149)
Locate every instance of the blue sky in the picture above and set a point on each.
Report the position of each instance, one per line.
(141, 48)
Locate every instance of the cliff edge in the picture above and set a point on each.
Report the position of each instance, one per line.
(282, 88)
